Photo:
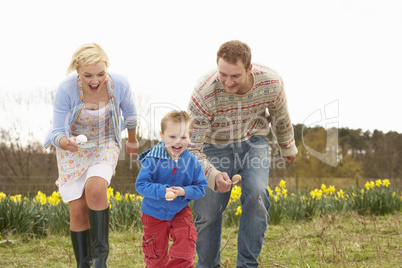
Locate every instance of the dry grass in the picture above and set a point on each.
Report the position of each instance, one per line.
(337, 240)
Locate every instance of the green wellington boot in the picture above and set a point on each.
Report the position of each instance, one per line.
(99, 221)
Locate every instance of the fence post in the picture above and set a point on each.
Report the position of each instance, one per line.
(357, 181)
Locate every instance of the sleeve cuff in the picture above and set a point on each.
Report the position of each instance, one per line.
(130, 124)
(57, 140)
(289, 151)
(211, 179)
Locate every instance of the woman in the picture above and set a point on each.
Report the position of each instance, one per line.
(91, 103)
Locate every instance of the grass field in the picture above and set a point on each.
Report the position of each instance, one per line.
(334, 240)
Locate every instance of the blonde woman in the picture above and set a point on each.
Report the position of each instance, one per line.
(98, 105)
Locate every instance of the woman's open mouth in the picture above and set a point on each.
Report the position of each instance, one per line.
(94, 87)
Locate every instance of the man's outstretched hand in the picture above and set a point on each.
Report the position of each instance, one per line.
(223, 182)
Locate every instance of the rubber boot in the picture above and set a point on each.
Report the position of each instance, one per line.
(99, 221)
(81, 244)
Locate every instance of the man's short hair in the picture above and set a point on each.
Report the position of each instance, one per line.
(233, 51)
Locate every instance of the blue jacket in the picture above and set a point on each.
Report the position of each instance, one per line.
(67, 106)
(158, 172)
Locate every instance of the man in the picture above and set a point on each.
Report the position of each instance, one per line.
(229, 106)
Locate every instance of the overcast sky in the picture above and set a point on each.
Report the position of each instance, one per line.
(341, 61)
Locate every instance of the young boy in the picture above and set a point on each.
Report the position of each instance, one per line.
(170, 167)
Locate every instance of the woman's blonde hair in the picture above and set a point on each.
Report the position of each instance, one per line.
(177, 117)
(87, 54)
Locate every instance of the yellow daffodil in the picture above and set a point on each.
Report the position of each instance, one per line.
(367, 185)
(386, 183)
(235, 194)
(16, 198)
(270, 191)
(41, 198)
(378, 183)
(109, 193)
(282, 184)
(319, 194)
(2, 195)
(54, 199)
(323, 187)
(277, 189)
(331, 189)
(284, 193)
(118, 196)
(340, 194)
(238, 211)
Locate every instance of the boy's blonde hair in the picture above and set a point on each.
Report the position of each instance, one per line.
(177, 117)
(233, 51)
(87, 54)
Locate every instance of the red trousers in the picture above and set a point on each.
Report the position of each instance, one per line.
(155, 242)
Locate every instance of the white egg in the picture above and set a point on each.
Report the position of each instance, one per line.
(169, 196)
(81, 139)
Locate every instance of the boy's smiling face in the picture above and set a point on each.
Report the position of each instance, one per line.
(176, 137)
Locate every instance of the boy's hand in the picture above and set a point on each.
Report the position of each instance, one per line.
(170, 194)
(179, 191)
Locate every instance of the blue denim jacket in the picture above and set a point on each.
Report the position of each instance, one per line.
(67, 106)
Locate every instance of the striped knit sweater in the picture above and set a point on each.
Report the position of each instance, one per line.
(222, 118)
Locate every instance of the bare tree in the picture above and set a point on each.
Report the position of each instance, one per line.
(22, 157)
